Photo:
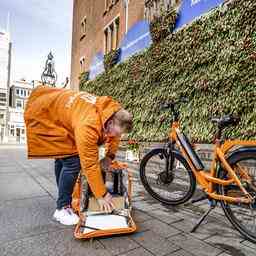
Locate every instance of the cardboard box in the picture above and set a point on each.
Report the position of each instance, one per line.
(94, 206)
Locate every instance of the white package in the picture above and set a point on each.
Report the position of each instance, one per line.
(104, 222)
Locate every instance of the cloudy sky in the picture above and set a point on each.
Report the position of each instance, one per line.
(38, 27)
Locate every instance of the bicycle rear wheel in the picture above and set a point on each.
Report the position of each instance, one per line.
(241, 216)
(175, 189)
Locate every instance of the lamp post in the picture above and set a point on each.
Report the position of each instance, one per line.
(49, 75)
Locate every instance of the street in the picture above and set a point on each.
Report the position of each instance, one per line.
(27, 202)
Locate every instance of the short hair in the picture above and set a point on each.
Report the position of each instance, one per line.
(124, 118)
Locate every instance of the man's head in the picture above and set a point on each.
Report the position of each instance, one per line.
(119, 123)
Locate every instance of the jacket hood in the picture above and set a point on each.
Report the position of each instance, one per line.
(106, 106)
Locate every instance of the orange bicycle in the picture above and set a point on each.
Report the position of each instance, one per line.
(169, 174)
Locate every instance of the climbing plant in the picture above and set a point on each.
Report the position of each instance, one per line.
(84, 77)
(161, 26)
(212, 62)
(111, 58)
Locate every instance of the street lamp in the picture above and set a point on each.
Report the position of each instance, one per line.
(49, 75)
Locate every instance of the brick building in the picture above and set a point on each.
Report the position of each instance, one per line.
(100, 25)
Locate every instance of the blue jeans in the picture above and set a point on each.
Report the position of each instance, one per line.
(66, 173)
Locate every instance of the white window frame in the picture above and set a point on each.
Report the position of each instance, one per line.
(21, 101)
(82, 64)
(83, 26)
(111, 40)
(107, 4)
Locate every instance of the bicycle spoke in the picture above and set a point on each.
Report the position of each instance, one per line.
(242, 216)
(170, 186)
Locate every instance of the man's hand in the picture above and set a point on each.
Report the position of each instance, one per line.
(105, 164)
(106, 203)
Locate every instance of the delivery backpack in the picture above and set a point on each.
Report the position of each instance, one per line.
(93, 222)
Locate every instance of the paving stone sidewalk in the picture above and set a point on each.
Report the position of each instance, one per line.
(27, 202)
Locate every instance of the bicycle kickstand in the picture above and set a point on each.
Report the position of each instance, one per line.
(212, 206)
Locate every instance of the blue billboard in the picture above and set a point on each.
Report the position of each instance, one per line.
(192, 9)
(97, 65)
(137, 38)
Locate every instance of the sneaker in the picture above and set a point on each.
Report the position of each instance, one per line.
(66, 216)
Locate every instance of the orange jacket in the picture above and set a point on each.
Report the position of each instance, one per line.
(61, 123)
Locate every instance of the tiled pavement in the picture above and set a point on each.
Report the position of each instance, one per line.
(27, 202)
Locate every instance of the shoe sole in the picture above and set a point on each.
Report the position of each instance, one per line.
(64, 223)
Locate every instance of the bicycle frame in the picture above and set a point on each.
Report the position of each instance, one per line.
(207, 179)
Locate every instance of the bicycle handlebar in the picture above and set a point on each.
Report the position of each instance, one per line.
(171, 105)
(222, 123)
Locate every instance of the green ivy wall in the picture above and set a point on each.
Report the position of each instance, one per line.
(212, 62)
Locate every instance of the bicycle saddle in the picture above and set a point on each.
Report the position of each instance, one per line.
(225, 121)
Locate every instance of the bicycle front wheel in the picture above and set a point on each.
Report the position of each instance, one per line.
(173, 187)
(241, 216)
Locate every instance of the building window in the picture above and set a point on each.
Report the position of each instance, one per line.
(109, 4)
(83, 28)
(19, 103)
(25, 93)
(17, 92)
(111, 27)
(82, 64)
(112, 2)
(111, 35)
(1, 116)
(12, 132)
(105, 40)
(117, 31)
